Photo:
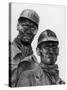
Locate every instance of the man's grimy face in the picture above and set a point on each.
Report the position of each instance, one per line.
(48, 53)
(26, 30)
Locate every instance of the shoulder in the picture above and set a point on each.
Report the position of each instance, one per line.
(31, 59)
(60, 81)
(15, 51)
(28, 63)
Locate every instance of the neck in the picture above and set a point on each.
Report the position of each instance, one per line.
(24, 46)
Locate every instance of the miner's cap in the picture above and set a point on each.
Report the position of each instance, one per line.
(46, 36)
(31, 15)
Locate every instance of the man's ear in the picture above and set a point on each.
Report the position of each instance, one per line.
(58, 51)
(35, 32)
(38, 52)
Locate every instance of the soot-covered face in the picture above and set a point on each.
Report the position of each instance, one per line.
(49, 52)
(27, 30)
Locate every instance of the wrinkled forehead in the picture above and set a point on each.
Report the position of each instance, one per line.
(49, 44)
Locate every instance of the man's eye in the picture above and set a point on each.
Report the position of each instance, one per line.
(29, 32)
(55, 47)
(23, 25)
(32, 28)
(46, 47)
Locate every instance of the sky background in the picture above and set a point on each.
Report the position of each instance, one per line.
(51, 17)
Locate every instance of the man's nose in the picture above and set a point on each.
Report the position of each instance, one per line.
(51, 50)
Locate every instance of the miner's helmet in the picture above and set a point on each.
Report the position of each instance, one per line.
(30, 15)
(47, 36)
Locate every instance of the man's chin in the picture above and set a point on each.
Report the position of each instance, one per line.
(26, 41)
(50, 61)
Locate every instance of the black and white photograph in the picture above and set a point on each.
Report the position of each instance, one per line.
(37, 37)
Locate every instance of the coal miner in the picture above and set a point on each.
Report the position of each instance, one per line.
(27, 27)
(46, 72)
(48, 50)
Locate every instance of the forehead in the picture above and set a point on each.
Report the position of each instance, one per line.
(49, 44)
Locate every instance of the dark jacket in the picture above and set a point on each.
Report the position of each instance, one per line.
(18, 51)
(31, 74)
(52, 73)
